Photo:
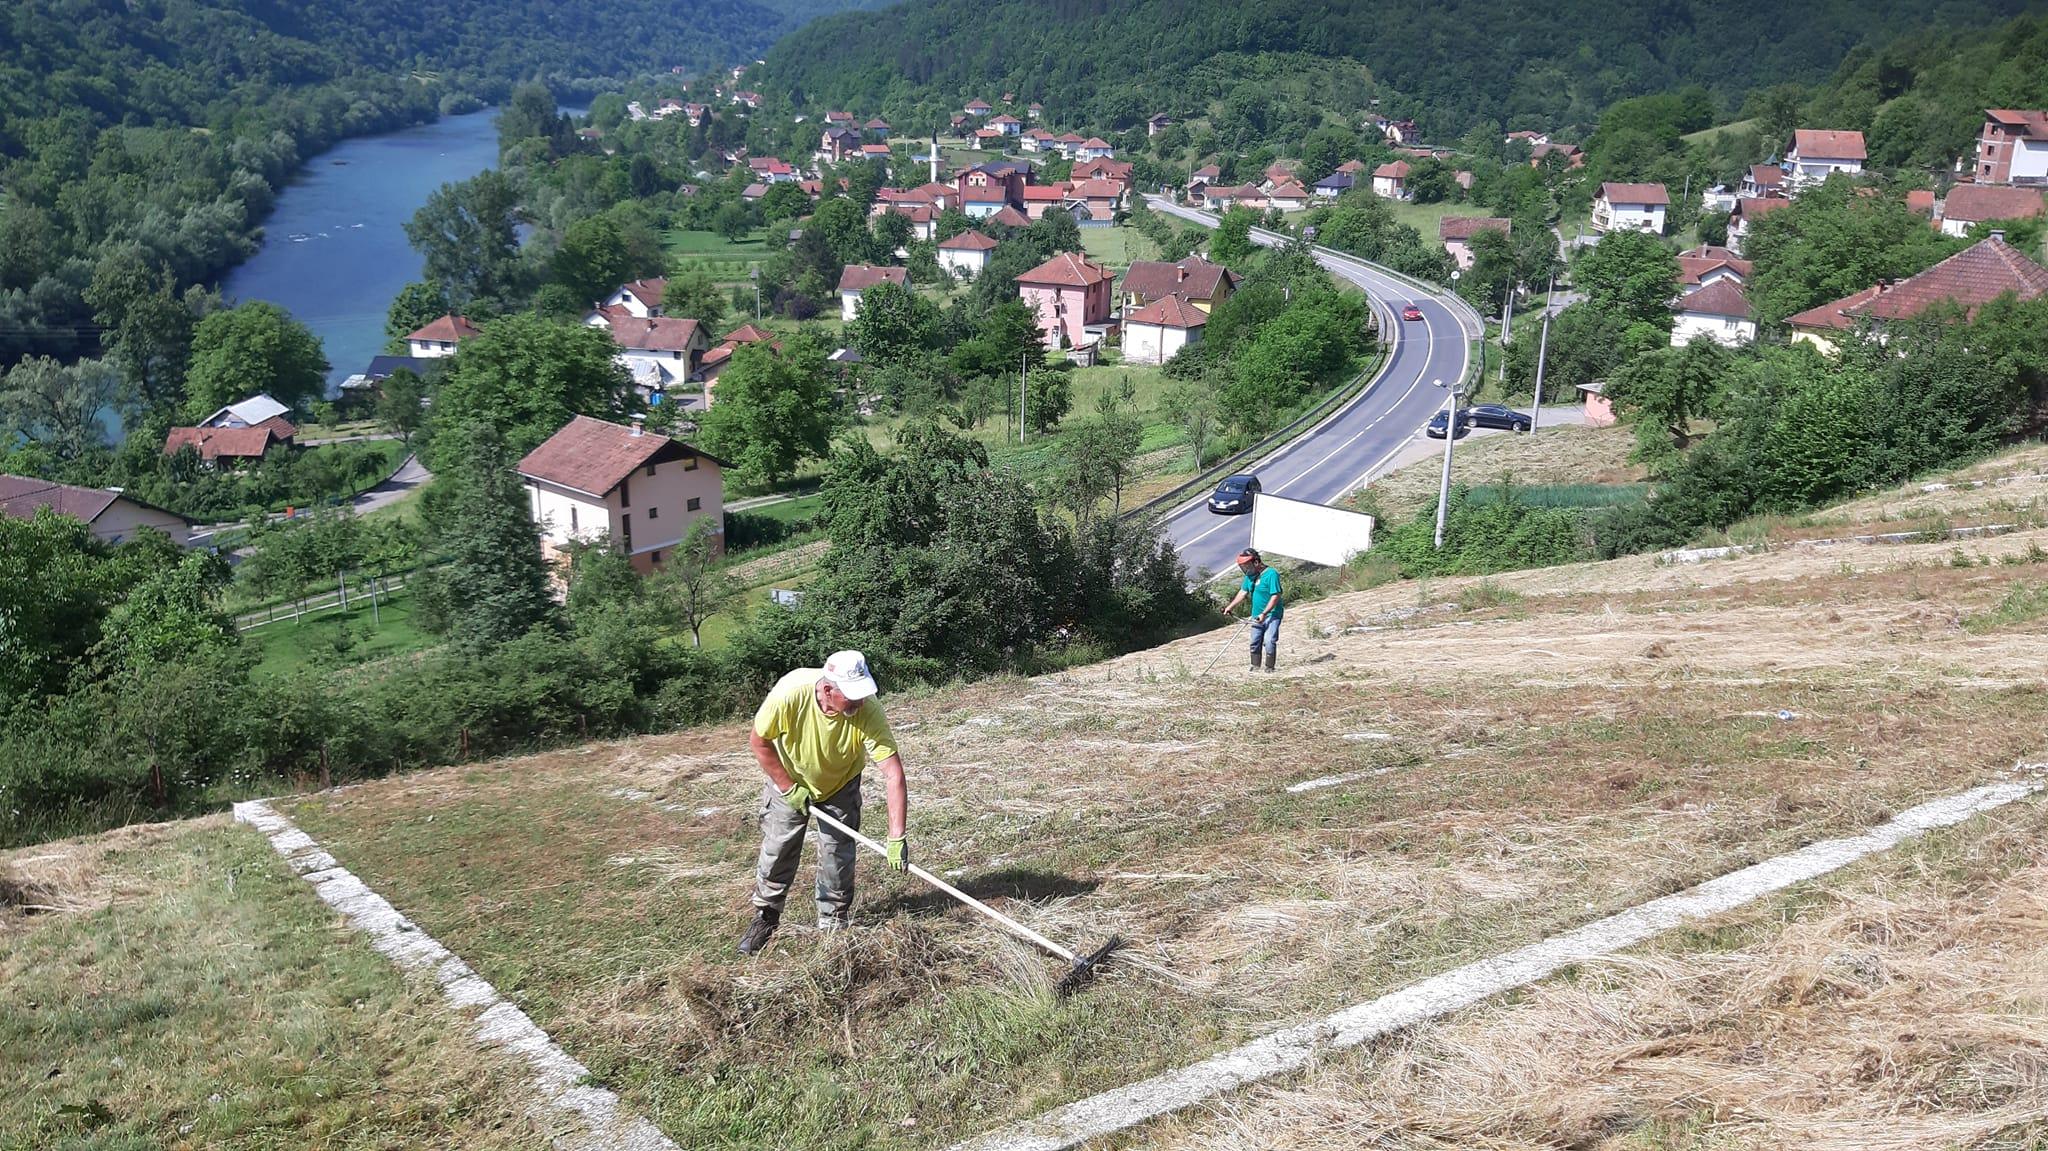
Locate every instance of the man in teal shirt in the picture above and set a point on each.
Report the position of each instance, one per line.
(1262, 584)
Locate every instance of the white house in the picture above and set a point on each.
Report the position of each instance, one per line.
(1093, 148)
(966, 253)
(2013, 147)
(641, 298)
(439, 338)
(855, 279)
(1968, 205)
(1630, 208)
(112, 515)
(1456, 234)
(1390, 180)
(247, 414)
(1158, 331)
(1717, 312)
(1814, 155)
(641, 491)
(659, 352)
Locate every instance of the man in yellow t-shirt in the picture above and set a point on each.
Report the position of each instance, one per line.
(812, 736)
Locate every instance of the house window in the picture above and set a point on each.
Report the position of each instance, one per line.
(625, 494)
(650, 469)
(689, 464)
(654, 556)
(695, 504)
(572, 519)
(653, 513)
(626, 531)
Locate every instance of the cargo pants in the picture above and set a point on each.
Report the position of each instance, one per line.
(782, 848)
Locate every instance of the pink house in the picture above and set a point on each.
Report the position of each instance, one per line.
(1067, 293)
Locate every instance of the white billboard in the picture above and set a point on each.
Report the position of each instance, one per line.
(1315, 533)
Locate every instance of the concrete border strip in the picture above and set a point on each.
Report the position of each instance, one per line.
(1296, 1047)
(560, 1090)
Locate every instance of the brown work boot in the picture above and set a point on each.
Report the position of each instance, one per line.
(760, 930)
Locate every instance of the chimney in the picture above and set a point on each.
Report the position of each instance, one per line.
(1998, 234)
(638, 424)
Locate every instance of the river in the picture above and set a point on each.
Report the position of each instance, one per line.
(334, 251)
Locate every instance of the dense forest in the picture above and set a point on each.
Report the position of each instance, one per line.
(1110, 63)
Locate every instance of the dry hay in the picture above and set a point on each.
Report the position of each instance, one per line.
(1879, 1020)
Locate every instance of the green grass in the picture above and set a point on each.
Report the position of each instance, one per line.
(1425, 217)
(1708, 135)
(2025, 603)
(1119, 247)
(1567, 495)
(726, 260)
(187, 990)
(334, 639)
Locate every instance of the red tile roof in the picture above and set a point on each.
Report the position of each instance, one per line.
(968, 241)
(1466, 227)
(1006, 118)
(447, 330)
(1098, 189)
(247, 443)
(22, 496)
(1974, 203)
(861, 277)
(1750, 207)
(1392, 170)
(1044, 193)
(1351, 167)
(1194, 277)
(1169, 312)
(1066, 270)
(1095, 142)
(1813, 143)
(1010, 217)
(1634, 193)
(1972, 277)
(1720, 298)
(594, 456)
(1069, 138)
(749, 334)
(980, 194)
(1102, 167)
(1291, 190)
(1766, 175)
(655, 334)
(1693, 269)
(2032, 125)
(648, 292)
(1920, 202)
(1834, 316)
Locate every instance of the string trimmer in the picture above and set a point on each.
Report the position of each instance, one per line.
(1081, 967)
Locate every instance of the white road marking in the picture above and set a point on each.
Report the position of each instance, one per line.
(1293, 1048)
(560, 1083)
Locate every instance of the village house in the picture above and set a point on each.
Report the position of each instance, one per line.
(1920, 202)
(838, 144)
(1574, 156)
(1036, 140)
(1277, 173)
(942, 196)
(836, 117)
(1009, 217)
(719, 358)
(1333, 185)
(1067, 142)
(980, 203)
(1390, 180)
(236, 434)
(877, 127)
(1041, 198)
(439, 337)
(1093, 148)
(966, 254)
(1035, 111)
(1197, 281)
(1968, 280)
(113, 516)
(770, 170)
(1158, 331)
(640, 491)
(1533, 139)
(1067, 294)
(1394, 131)
(855, 279)
(641, 298)
(1353, 169)
(696, 113)
(923, 218)
(2013, 147)
(1597, 411)
(977, 108)
(989, 139)
(1717, 312)
(747, 99)
(1288, 197)
(1007, 125)
(659, 352)
(1706, 265)
(1742, 221)
(1968, 205)
(1159, 122)
(1102, 198)
(1456, 232)
(1764, 181)
(1207, 174)
(1225, 198)
(1814, 155)
(1630, 208)
(1118, 170)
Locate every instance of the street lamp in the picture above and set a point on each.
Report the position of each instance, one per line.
(1443, 495)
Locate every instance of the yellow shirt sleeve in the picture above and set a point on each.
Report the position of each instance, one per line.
(771, 721)
(874, 728)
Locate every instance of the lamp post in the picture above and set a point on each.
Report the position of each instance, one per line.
(1443, 495)
(1542, 350)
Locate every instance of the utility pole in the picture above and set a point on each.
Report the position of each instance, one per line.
(754, 274)
(1507, 319)
(1542, 348)
(1023, 393)
(1443, 496)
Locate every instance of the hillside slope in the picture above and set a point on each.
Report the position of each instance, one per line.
(1444, 772)
(1450, 65)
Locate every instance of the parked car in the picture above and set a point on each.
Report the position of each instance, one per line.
(1497, 416)
(1411, 312)
(1437, 422)
(1233, 497)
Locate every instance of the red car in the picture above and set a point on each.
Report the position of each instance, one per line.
(1411, 312)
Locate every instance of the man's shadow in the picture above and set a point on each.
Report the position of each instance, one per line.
(1025, 883)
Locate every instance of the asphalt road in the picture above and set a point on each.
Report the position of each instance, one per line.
(1337, 457)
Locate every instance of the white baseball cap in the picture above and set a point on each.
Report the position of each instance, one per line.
(848, 671)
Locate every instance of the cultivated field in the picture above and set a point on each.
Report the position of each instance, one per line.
(1443, 773)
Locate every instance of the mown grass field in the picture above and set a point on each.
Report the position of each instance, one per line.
(726, 260)
(335, 639)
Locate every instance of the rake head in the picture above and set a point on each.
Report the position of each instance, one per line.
(1084, 968)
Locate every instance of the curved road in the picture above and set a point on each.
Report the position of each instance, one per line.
(1338, 455)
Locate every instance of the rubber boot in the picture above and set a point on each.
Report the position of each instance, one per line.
(1255, 659)
(1271, 655)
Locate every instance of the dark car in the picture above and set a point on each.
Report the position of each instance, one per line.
(1497, 416)
(1437, 422)
(1411, 312)
(1233, 497)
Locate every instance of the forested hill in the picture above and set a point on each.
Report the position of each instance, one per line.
(1450, 64)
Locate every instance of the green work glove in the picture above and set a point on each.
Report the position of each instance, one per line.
(799, 798)
(899, 853)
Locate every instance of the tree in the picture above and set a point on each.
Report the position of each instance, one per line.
(774, 411)
(1192, 405)
(468, 233)
(690, 587)
(416, 305)
(1492, 274)
(893, 324)
(250, 348)
(1631, 274)
(1662, 392)
(1833, 241)
(149, 326)
(494, 585)
(58, 406)
(172, 616)
(692, 294)
(1231, 243)
(1050, 394)
(526, 376)
(401, 405)
(592, 259)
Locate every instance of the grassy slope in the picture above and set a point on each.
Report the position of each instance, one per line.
(186, 990)
(1525, 753)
